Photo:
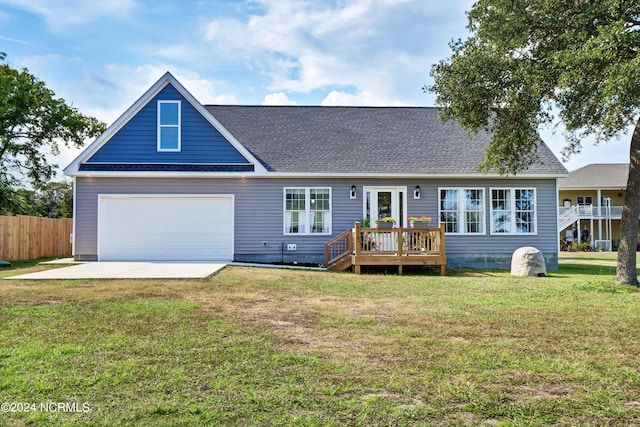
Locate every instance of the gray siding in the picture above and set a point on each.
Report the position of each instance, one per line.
(259, 215)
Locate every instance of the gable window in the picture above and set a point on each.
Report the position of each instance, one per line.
(462, 210)
(169, 126)
(513, 211)
(307, 210)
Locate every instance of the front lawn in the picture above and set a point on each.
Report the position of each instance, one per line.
(281, 347)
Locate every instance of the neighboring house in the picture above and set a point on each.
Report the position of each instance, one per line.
(591, 200)
(172, 179)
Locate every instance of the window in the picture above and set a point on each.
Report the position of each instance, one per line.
(584, 200)
(462, 210)
(307, 211)
(501, 212)
(513, 211)
(168, 125)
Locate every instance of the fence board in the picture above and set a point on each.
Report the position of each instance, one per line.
(27, 237)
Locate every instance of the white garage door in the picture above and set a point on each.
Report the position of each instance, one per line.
(165, 228)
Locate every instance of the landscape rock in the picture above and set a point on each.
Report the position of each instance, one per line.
(528, 261)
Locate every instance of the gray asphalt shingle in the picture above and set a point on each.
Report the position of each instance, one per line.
(597, 175)
(360, 140)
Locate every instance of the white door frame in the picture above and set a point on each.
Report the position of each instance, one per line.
(398, 209)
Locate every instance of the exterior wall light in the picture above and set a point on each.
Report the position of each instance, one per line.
(416, 192)
(353, 192)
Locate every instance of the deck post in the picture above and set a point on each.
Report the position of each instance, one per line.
(443, 267)
(357, 243)
(358, 239)
(399, 243)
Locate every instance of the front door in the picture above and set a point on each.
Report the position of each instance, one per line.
(381, 202)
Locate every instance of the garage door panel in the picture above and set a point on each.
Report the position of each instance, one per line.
(166, 228)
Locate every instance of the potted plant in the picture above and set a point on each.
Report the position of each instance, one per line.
(364, 222)
(386, 222)
(419, 221)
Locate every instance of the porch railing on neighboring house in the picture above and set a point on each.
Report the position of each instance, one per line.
(567, 217)
(591, 212)
(396, 246)
(570, 215)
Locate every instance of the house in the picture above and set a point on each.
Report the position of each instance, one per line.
(591, 200)
(172, 179)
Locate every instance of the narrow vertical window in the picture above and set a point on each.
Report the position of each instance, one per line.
(169, 126)
(501, 211)
(449, 213)
(295, 211)
(525, 204)
(319, 210)
(473, 211)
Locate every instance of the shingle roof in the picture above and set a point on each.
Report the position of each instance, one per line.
(597, 175)
(360, 140)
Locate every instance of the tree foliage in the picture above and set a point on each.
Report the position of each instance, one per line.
(33, 124)
(50, 200)
(527, 61)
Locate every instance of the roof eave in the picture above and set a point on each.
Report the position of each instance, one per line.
(333, 175)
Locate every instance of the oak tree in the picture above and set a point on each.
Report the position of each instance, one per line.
(33, 124)
(527, 63)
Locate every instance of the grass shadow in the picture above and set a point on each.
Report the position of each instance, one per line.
(585, 269)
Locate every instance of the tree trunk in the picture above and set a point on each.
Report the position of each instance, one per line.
(626, 269)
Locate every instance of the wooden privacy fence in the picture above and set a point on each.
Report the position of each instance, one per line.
(30, 237)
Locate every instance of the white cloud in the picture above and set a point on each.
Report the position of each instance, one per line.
(185, 52)
(59, 14)
(224, 99)
(12, 40)
(342, 98)
(376, 46)
(360, 99)
(134, 81)
(279, 98)
(109, 95)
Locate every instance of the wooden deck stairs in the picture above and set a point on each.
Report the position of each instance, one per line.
(396, 246)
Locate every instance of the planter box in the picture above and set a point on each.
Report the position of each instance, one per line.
(382, 224)
(419, 225)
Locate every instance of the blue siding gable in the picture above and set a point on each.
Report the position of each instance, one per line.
(136, 141)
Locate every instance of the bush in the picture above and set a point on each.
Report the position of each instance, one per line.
(575, 247)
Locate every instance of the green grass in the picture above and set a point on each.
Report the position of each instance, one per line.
(595, 256)
(278, 347)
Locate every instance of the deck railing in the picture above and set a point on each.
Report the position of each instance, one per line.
(398, 241)
(395, 246)
(338, 248)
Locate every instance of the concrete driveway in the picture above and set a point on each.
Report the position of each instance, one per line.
(128, 270)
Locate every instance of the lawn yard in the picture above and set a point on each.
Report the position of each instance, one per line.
(282, 347)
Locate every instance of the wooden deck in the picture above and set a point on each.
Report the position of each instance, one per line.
(396, 246)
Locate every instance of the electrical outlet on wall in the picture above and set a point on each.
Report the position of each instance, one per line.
(291, 246)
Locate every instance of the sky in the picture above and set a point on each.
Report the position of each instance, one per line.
(101, 56)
